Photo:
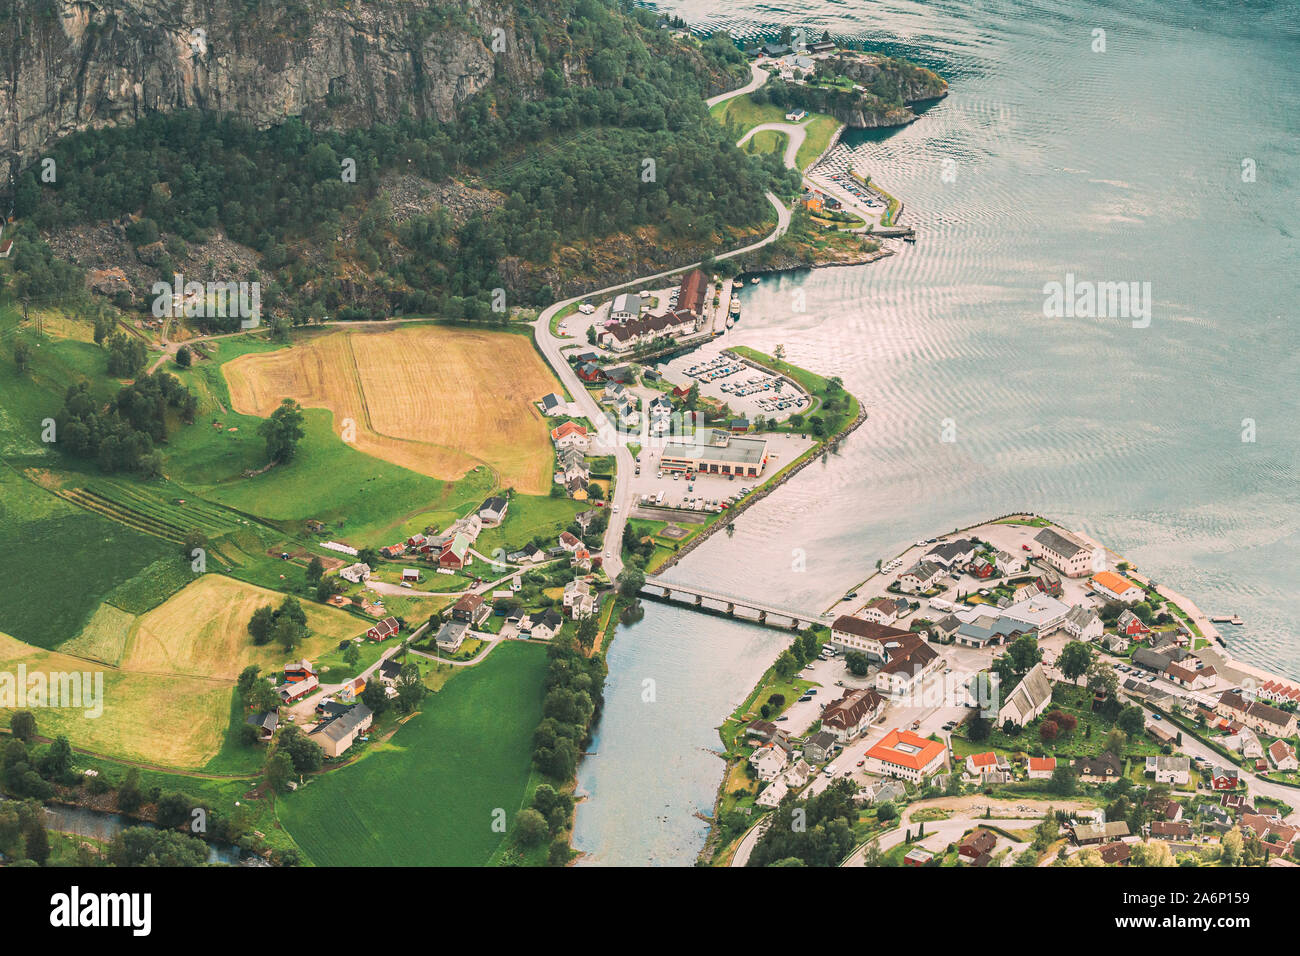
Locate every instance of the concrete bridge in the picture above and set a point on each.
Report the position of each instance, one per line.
(729, 605)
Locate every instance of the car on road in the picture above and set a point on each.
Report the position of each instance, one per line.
(830, 770)
(779, 719)
(616, 509)
(1156, 717)
(861, 763)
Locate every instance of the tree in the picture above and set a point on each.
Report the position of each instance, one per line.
(261, 624)
(630, 582)
(23, 725)
(1048, 731)
(1132, 721)
(278, 773)
(289, 634)
(315, 569)
(184, 358)
(980, 729)
(1074, 660)
(36, 842)
(531, 828)
(282, 431)
(129, 796)
(1063, 782)
(857, 663)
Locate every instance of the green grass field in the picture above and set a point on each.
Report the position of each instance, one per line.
(528, 516)
(427, 796)
(57, 562)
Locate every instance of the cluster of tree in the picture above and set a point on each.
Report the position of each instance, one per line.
(123, 436)
(548, 818)
(804, 649)
(257, 694)
(286, 625)
(145, 846)
(574, 697)
(126, 355)
(573, 169)
(410, 689)
(813, 832)
(22, 832)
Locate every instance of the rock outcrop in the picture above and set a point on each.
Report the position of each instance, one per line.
(70, 65)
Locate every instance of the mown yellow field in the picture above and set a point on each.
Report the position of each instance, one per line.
(170, 721)
(433, 399)
(202, 631)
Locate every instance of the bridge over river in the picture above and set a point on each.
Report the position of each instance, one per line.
(730, 605)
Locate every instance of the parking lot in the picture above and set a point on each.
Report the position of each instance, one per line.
(747, 389)
(706, 493)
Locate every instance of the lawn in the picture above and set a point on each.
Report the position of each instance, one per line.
(427, 797)
(527, 517)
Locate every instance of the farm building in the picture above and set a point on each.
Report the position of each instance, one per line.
(298, 689)
(336, 736)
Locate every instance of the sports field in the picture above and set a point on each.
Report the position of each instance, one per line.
(427, 796)
(433, 399)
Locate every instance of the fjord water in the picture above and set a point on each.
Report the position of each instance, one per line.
(1123, 165)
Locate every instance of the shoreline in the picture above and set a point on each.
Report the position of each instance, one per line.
(1215, 649)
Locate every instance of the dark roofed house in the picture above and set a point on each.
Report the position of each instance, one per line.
(470, 609)
(1171, 830)
(1115, 854)
(338, 734)
(694, 292)
(265, 722)
(979, 843)
(493, 511)
(819, 747)
(1102, 768)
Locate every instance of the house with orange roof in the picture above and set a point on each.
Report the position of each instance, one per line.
(904, 754)
(570, 435)
(1116, 587)
(1040, 768)
(977, 765)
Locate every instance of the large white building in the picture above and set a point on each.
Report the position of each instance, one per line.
(1065, 552)
(712, 451)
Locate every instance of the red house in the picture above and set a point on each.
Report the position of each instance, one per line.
(384, 629)
(981, 568)
(1224, 778)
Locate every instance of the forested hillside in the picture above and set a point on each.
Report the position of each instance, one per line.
(609, 141)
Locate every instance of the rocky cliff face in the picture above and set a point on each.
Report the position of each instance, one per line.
(75, 64)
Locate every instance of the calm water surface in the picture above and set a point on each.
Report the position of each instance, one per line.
(1117, 166)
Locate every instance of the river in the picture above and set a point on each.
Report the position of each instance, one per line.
(1047, 159)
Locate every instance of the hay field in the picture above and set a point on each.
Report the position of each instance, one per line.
(433, 399)
(202, 631)
(173, 721)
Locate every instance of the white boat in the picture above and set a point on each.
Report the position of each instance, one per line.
(754, 281)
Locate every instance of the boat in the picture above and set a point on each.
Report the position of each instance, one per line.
(754, 281)
(731, 320)
(909, 239)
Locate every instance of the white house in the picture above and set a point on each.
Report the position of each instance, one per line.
(1083, 624)
(768, 761)
(356, 573)
(920, 577)
(579, 599)
(1064, 551)
(1282, 755)
(1028, 699)
(1116, 587)
(1176, 770)
(1041, 768)
(773, 793)
(626, 306)
(1009, 563)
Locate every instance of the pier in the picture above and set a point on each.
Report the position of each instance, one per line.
(730, 605)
